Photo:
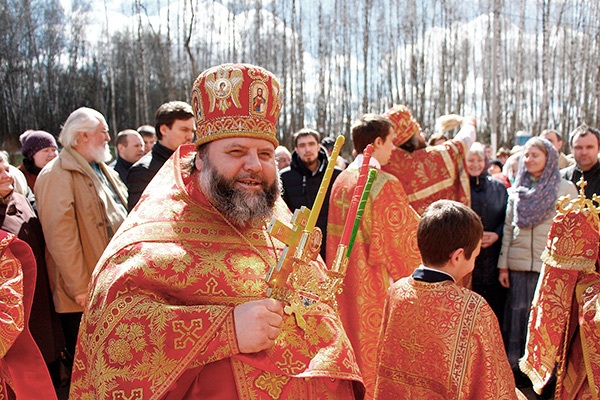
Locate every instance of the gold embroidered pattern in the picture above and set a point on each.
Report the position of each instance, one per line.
(272, 383)
(289, 364)
(135, 394)
(131, 338)
(189, 334)
(241, 126)
(197, 104)
(277, 93)
(13, 310)
(222, 85)
(572, 240)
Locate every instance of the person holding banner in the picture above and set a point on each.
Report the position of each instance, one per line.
(385, 247)
(178, 305)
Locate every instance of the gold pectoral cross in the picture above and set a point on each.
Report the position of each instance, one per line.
(298, 310)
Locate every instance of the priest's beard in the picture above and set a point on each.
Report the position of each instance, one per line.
(240, 207)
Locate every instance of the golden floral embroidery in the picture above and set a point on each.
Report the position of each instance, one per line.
(130, 339)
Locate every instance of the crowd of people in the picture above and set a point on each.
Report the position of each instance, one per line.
(158, 275)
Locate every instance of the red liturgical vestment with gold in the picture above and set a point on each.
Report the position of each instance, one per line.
(159, 323)
(433, 173)
(563, 338)
(23, 373)
(385, 246)
(441, 341)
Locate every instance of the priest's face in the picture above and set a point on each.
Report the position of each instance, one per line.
(239, 177)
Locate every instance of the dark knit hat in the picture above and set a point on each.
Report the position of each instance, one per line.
(497, 162)
(34, 141)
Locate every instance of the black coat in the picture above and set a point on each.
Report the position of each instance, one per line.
(300, 188)
(592, 177)
(488, 200)
(142, 172)
(122, 168)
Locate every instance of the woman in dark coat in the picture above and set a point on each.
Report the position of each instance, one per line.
(488, 200)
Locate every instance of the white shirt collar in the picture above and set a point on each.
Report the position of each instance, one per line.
(372, 162)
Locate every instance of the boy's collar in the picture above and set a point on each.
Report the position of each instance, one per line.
(427, 274)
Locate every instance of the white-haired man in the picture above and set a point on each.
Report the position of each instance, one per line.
(81, 204)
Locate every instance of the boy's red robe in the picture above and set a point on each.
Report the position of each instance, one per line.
(385, 246)
(159, 323)
(433, 173)
(441, 341)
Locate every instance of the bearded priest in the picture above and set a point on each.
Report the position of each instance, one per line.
(177, 305)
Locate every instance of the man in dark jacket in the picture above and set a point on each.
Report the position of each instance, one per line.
(130, 148)
(174, 126)
(302, 179)
(585, 145)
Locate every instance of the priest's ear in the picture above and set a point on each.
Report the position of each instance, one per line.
(200, 154)
(198, 161)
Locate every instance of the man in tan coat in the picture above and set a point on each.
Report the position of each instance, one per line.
(81, 204)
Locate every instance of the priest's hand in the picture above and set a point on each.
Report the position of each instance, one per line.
(257, 324)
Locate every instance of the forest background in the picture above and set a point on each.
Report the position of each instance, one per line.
(517, 65)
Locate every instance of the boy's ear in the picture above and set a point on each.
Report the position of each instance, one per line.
(377, 142)
(456, 255)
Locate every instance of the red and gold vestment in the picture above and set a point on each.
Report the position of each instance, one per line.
(564, 325)
(440, 341)
(23, 371)
(159, 323)
(385, 246)
(433, 173)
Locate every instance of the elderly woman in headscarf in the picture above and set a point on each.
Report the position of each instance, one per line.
(38, 149)
(488, 200)
(529, 213)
